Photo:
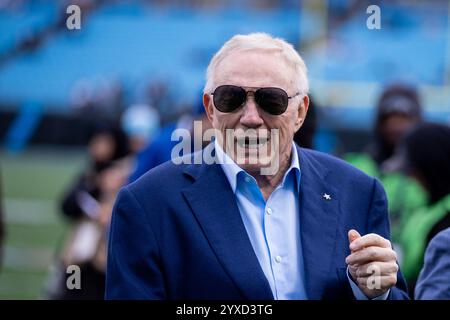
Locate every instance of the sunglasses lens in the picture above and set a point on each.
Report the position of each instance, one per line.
(272, 100)
(228, 98)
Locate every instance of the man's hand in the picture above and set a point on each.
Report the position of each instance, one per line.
(372, 263)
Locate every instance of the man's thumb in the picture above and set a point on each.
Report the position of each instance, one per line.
(353, 235)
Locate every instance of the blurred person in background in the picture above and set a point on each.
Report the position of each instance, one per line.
(398, 111)
(434, 279)
(88, 205)
(141, 124)
(85, 246)
(426, 157)
(160, 149)
(107, 144)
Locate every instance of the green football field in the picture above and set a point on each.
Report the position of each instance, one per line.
(32, 185)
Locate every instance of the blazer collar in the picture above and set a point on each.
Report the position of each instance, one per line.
(214, 205)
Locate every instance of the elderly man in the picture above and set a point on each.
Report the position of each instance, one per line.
(230, 230)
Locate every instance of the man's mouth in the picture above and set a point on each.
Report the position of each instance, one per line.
(251, 142)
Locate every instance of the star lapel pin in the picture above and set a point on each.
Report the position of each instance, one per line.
(326, 196)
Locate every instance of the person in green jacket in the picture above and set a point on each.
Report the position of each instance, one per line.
(398, 111)
(427, 159)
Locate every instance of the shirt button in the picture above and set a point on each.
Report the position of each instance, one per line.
(247, 179)
(278, 259)
(269, 211)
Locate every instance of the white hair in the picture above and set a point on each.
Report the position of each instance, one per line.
(260, 42)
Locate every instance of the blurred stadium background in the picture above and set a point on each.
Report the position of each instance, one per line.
(54, 81)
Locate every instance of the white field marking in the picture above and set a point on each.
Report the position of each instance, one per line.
(30, 211)
(27, 258)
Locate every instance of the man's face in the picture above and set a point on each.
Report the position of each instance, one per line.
(254, 69)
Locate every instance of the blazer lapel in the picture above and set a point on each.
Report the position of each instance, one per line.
(318, 224)
(214, 205)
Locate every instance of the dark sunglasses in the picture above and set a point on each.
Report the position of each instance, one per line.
(228, 98)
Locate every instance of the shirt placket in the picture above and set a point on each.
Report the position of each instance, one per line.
(273, 241)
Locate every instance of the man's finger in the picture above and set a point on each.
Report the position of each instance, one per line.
(353, 235)
(370, 240)
(380, 268)
(371, 254)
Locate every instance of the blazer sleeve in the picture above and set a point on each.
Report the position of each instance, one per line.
(434, 279)
(133, 268)
(378, 222)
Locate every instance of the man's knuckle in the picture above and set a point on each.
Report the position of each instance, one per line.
(373, 252)
(388, 243)
(395, 268)
(371, 268)
(392, 279)
(395, 255)
(392, 255)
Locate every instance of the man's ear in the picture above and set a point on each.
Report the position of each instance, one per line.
(301, 112)
(207, 104)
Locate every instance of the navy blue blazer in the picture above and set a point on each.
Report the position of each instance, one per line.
(176, 233)
(434, 279)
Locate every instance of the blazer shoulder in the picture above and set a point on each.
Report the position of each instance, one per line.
(160, 177)
(168, 177)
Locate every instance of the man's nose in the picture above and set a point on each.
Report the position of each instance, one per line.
(250, 117)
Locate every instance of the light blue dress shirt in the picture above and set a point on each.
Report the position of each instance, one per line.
(273, 227)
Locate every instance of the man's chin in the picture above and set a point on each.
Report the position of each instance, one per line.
(253, 164)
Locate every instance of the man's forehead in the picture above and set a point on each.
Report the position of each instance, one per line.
(254, 69)
(247, 60)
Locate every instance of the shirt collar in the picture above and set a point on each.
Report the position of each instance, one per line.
(232, 170)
